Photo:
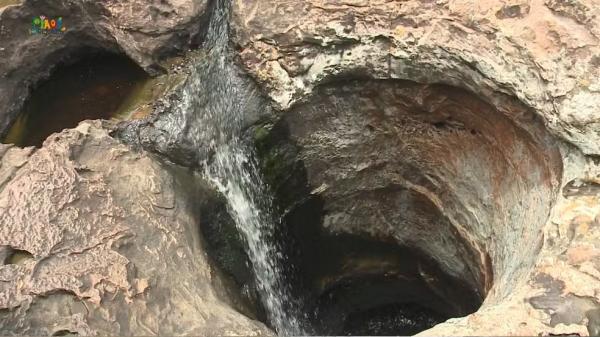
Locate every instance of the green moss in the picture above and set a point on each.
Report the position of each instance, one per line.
(273, 165)
(261, 133)
(271, 160)
(278, 159)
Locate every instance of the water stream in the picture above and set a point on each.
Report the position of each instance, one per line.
(217, 104)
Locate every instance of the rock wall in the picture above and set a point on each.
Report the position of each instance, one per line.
(545, 53)
(542, 53)
(433, 168)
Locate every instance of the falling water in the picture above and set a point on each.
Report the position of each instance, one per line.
(217, 104)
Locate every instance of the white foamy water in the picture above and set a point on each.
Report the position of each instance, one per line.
(234, 174)
(217, 103)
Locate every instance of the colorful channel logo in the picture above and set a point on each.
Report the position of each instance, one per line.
(46, 25)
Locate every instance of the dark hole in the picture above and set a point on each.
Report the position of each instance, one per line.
(94, 87)
(351, 285)
(387, 320)
(440, 125)
(512, 11)
(65, 333)
(344, 284)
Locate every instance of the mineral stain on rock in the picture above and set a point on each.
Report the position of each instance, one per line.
(94, 87)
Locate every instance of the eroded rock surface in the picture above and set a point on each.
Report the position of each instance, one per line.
(434, 168)
(145, 30)
(545, 53)
(473, 186)
(97, 239)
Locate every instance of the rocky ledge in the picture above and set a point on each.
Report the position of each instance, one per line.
(545, 53)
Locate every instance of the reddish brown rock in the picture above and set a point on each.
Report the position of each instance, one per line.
(543, 53)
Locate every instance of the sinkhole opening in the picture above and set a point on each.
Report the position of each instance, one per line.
(402, 204)
(91, 84)
(352, 284)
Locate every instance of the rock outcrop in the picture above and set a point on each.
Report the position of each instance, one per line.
(144, 30)
(434, 168)
(545, 53)
(97, 239)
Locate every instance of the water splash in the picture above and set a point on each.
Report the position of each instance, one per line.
(215, 105)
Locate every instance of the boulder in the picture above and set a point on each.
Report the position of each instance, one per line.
(98, 239)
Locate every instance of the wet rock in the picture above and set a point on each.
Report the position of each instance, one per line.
(429, 167)
(500, 223)
(145, 30)
(227, 249)
(98, 239)
(535, 78)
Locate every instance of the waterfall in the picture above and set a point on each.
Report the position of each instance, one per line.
(216, 102)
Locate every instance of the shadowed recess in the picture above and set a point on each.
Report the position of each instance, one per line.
(95, 86)
(405, 204)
